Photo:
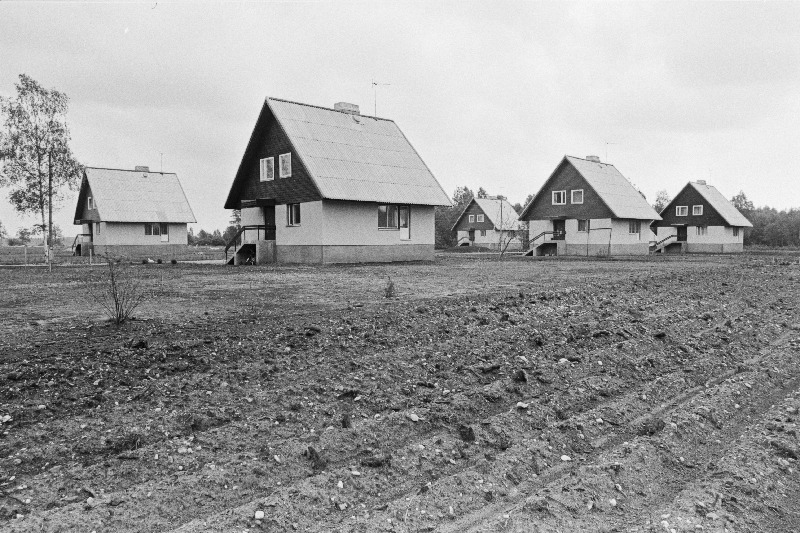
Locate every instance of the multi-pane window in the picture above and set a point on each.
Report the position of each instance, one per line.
(559, 197)
(479, 218)
(577, 196)
(268, 169)
(471, 219)
(735, 232)
(483, 233)
(387, 217)
(583, 225)
(697, 209)
(156, 228)
(702, 230)
(292, 214)
(90, 203)
(681, 210)
(285, 163)
(634, 226)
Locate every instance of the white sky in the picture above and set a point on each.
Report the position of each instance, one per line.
(490, 94)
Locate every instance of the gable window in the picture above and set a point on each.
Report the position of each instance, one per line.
(583, 225)
(697, 209)
(577, 196)
(634, 226)
(292, 214)
(681, 210)
(702, 230)
(90, 203)
(559, 197)
(268, 169)
(735, 232)
(479, 218)
(285, 163)
(388, 218)
(472, 219)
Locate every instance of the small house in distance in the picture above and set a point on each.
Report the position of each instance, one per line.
(700, 219)
(132, 213)
(322, 185)
(587, 207)
(491, 223)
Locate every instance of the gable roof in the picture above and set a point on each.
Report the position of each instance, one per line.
(720, 204)
(619, 195)
(352, 157)
(136, 196)
(495, 210)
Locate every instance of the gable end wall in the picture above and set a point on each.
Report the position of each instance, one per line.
(689, 197)
(568, 178)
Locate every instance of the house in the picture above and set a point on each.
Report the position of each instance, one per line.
(587, 207)
(321, 185)
(491, 223)
(700, 219)
(132, 213)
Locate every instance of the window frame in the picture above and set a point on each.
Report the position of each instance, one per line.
(471, 219)
(390, 209)
(587, 225)
(148, 229)
(694, 210)
(268, 164)
(293, 219)
(634, 224)
(563, 194)
(679, 208)
(479, 218)
(483, 233)
(572, 196)
(701, 231)
(90, 202)
(282, 166)
(735, 232)
(97, 228)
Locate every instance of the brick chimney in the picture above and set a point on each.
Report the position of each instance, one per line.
(594, 158)
(344, 107)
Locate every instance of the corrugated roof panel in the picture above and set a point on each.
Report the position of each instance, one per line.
(356, 157)
(721, 204)
(131, 196)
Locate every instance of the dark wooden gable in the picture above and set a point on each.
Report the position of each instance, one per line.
(473, 208)
(690, 196)
(269, 140)
(82, 212)
(567, 178)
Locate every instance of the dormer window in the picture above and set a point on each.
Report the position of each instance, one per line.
(697, 209)
(285, 164)
(577, 196)
(268, 169)
(559, 197)
(90, 203)
(681, 210)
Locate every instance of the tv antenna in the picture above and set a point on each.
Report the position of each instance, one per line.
(375, 86)
(162, 162)
(607, 143)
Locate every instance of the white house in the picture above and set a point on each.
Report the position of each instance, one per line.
(490, 223)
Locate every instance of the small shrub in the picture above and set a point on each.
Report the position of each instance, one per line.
(159, 261)
(389, 290)
(174, 261)
(118, 291)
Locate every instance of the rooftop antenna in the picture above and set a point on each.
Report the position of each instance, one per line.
(375, 85)
(607, 143)
(162, 162)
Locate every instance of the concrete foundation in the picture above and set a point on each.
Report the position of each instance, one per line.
(354, 254)
(135, 252)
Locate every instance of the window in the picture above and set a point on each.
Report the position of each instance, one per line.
(681, 210)
(702, 230)
(735, 232)
(155, 229)
(97, 229)
(471, 219)
(583, 225)
(634, 226)
(479, 218)
(577, 196)
(483, 233)
(285, 162)
(164, 229)
(90, 203)
(387, 217)
(292, 214)
(697, 209)
(268, 169)
(559, 197)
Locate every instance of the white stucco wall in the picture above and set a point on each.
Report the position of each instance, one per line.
(356, 223)
(714, 235)
(492, 238)
(309, 232)
(125, 233)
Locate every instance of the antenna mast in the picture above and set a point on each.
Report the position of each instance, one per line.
(375, 85)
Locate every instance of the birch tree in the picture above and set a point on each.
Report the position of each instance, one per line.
(37, 163)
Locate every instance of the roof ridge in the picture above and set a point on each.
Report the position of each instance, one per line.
(128, 170)
(325, 108)
(590, 161)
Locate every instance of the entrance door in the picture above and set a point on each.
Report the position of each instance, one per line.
(559, 230)
(404, 212)
(164, 233)
(681, 234)
(472, 235)
(269, 222)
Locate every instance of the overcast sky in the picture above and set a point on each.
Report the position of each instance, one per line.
(490, 94)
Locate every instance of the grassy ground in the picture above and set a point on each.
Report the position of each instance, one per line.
(516, 395)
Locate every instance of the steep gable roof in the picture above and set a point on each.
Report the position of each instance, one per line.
(495, 211)
(353, 157)
(136, 196)
(721, 204)
(619, 195)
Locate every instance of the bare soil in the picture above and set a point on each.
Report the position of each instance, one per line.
(653, 395)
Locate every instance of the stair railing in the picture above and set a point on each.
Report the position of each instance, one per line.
(269, 235)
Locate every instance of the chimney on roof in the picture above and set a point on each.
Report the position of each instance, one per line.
(344, 107)
(594, 158)
(700, 182)
(141, 169)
